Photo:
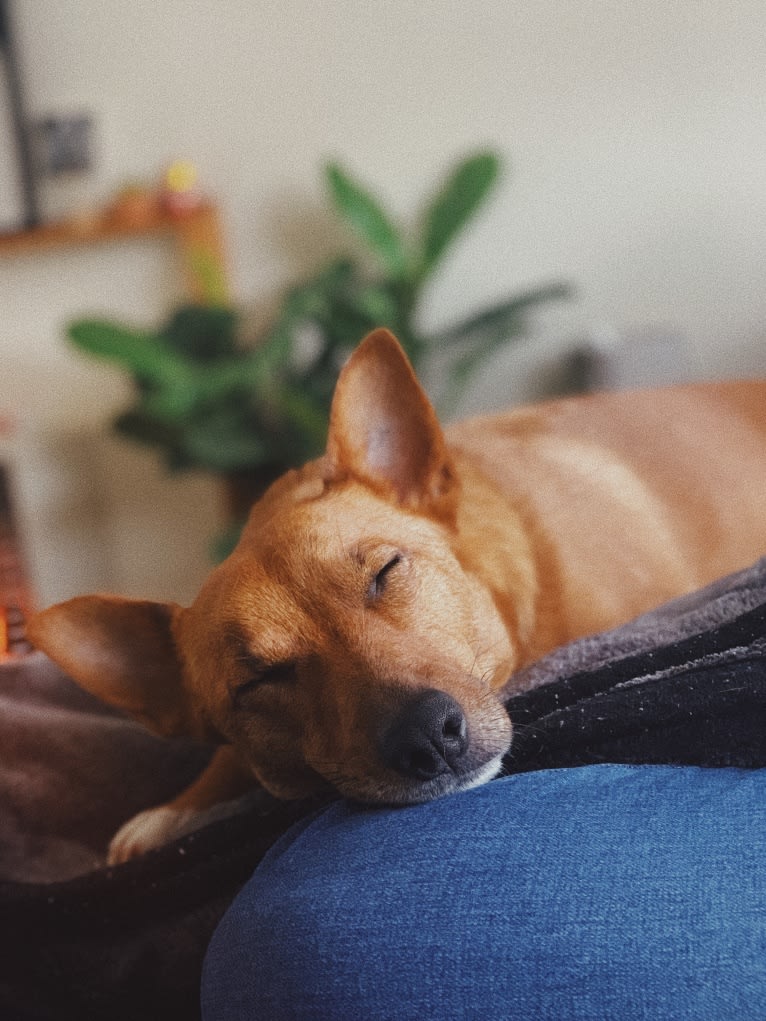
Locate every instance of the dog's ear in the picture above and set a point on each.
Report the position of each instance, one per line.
(384, 430)
(122, 651)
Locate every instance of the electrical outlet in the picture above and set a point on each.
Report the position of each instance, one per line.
(64, 144)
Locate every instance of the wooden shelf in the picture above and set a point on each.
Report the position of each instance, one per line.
(197, 235)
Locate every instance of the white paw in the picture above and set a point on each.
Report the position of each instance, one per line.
(152, 828)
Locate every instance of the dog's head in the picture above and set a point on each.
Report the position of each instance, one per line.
(347, 639)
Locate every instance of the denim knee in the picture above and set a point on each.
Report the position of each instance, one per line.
(607, 892)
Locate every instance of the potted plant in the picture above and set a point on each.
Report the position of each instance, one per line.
(246, 409)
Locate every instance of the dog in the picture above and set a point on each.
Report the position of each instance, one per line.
(380, 598)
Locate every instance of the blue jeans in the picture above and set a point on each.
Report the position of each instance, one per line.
(606, 892)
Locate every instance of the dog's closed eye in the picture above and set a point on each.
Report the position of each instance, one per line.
(381, 577)
(261, 674)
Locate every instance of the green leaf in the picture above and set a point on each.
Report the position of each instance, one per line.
(136, 425)
(143, 354)
(479, 336)
(376, 304)
(502, 320)
(225, 442)
(456, 202)
(224, 543)
(306, 416)
(172, 405)
(368, 219)
(202, 333)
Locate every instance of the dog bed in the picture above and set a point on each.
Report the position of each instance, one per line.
(685, 684)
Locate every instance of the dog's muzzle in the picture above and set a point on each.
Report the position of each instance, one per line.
(429, 737)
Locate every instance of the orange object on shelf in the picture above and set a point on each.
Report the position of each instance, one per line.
(197, 234)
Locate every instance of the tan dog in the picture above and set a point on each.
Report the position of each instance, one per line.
(381, 596)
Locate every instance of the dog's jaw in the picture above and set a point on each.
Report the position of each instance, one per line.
(372, 792)
(492, 769)
(476, 778)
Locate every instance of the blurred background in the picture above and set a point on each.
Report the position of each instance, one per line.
(632, 139)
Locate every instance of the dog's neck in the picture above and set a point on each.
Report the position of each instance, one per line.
(495, 545)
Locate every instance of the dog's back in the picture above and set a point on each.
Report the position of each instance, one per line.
(631, 498)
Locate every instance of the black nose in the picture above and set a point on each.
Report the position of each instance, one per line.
(427, 738)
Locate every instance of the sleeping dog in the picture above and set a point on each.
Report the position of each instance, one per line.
(381, 596)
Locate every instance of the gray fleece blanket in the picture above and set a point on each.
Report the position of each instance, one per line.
(72, 771)
(694, 614)
(684, 684)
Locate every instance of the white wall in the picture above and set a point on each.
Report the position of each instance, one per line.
(635, 134)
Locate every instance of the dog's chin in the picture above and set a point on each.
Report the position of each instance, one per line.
(373, 791)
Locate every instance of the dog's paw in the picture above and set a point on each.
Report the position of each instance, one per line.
(152, 828)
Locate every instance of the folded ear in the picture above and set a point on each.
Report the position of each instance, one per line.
(122, 651)
(384, 430)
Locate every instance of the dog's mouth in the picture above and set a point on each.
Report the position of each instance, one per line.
(385, 790)
(415, 793)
